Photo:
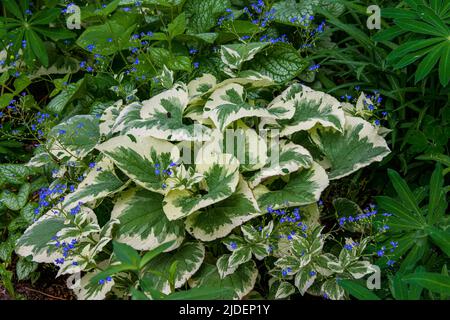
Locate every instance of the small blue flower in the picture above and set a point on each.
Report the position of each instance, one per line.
(348, 247)
(196, 65)
(233, 245)
(92, 165)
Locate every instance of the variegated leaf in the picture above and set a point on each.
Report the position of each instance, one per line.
(100, 182)
(223, 266)
(291, 157)
(218, 220)
(36, 239)
(284, 290)
(162, 117)
(304, 187)
(227, 104)
(74, 138)
(357, 147)
(188, 258)
(92, 291)
(241, 281)
(137, 158)
(221, 177)
(311, 108)
(108, 118)
(143, 224)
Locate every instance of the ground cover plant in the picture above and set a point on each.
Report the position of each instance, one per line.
(265, 150)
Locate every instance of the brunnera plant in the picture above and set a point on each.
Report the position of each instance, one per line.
(164, 173)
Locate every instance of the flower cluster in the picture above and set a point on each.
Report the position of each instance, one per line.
(289, 222)
(164, 173)
(67, 250)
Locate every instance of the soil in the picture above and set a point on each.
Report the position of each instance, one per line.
(45, 288)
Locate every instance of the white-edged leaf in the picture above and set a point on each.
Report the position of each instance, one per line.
(304, 187)
(143, 224)
(100, 182)
(137, 158)
(291, 157)
(188, 258)
(220, 219)
(221, 177)
(357, 147)
(228, 104)
(241, 281)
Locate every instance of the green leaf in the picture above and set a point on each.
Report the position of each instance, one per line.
(143, 224)
(434, 282)
(119, 28)
(69, 93)
(357, 290)
(289, 12)
(437, 202)
(155, 252)
(126, 254)
(24, 268)
(427, 64)
(204, 293)
(177, 26)
(441, 239)
(16, 202)
(444, 66)
(405, 194)
(13, 8)
(280, 62)
(37, 46)
(198, 21)
(15, 174)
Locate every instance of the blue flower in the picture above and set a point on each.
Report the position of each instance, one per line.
(90, 47)
(312, 273)
(196, 65)
(101, 281)
(92, 165)
(348, 247)
(233, 245)
(390, 263)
